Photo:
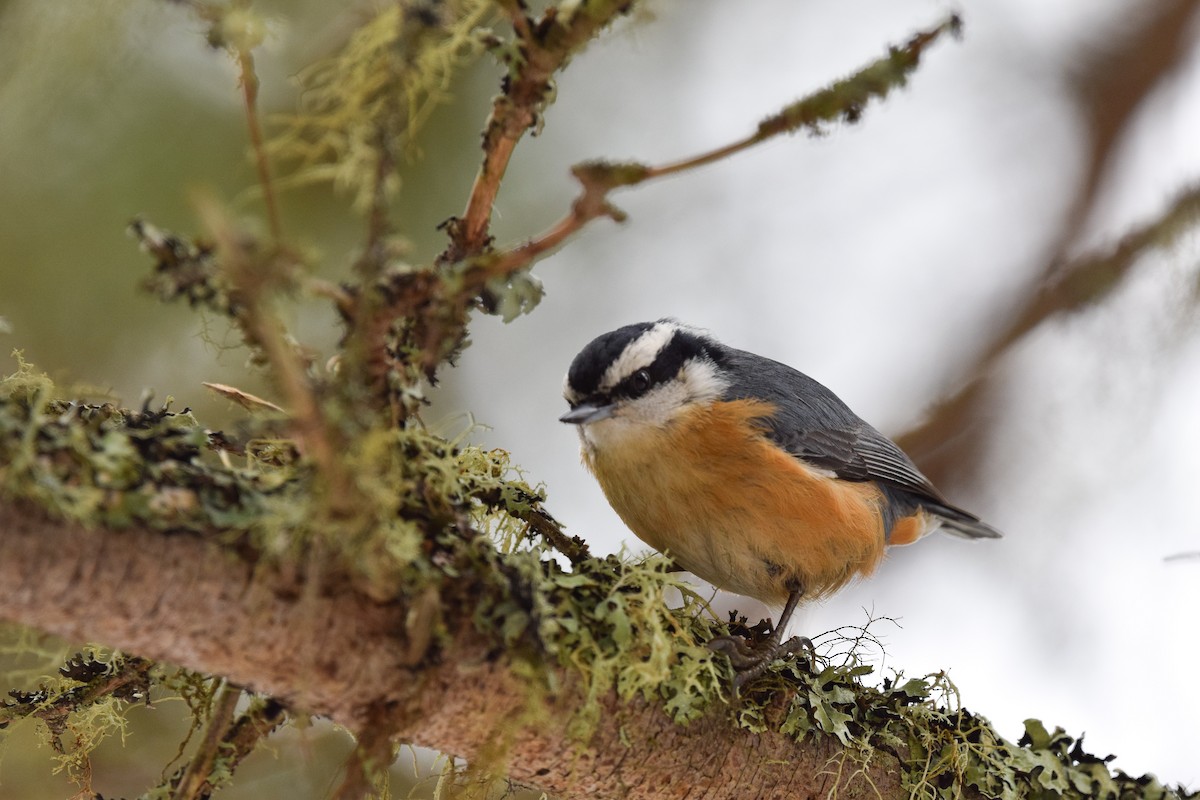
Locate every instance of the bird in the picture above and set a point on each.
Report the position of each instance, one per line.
(745, 472)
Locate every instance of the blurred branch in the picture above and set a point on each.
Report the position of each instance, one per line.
(226, 743)
(1111, 88)
(252, 276)
(1090, 279)
(946, 444)
(249, 83)
(235, 28)
(197, 778)
(373, 754)
(1111, 85)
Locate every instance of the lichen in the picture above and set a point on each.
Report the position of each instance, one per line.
(449, 518)
(361, 109)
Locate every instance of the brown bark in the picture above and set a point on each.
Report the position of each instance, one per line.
(179, 599)
(182, 600)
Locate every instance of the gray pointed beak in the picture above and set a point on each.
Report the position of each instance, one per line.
(585, 413)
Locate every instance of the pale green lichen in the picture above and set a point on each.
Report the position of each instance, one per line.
(361, 109)
(616, 625)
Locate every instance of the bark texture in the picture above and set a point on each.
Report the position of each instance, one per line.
(179, 599)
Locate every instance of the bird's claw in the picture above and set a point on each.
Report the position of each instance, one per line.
(749, 661)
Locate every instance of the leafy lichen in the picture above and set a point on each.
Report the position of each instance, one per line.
(447, 522)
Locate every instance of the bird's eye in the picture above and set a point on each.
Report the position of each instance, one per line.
(639, 382)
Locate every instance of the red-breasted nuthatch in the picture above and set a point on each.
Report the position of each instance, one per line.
(748, 473)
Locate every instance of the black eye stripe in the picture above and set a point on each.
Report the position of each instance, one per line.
(666, 367)
(590, 365)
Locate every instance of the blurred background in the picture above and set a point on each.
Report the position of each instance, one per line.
(890, 260)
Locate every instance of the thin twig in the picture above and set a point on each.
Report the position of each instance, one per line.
(512, 114)
(197, 776)
(263, 328)
(843, 100)
(591, 203)
(249, 82)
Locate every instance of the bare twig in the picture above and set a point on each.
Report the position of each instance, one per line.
(545, 47)
(843, 100)
(248, 79)
(195, 781)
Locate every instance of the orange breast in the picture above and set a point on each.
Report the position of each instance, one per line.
(729, 506)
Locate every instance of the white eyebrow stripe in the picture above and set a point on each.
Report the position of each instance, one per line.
(638, 354)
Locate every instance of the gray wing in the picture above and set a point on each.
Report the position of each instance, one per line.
(813, 424)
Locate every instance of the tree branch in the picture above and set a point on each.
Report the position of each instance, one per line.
(185, 601)
(843, 100)
(182, 599)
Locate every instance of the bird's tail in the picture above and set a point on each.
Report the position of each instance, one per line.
(961, 523)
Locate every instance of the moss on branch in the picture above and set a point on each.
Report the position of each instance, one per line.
(607, 625)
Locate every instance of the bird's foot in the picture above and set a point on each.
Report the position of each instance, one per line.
(751, 660)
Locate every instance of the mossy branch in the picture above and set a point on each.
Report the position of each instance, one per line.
(343, 655)
(126, 679)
